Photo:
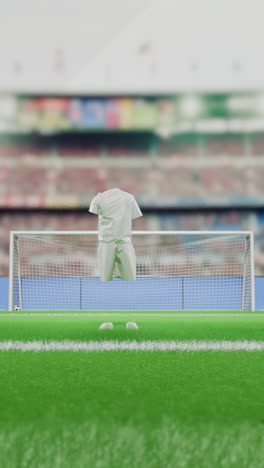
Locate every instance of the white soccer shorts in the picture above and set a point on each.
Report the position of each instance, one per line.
(122, 253)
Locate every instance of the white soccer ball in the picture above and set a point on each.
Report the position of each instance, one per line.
(16, 307)
(106, 326)
(131, 326)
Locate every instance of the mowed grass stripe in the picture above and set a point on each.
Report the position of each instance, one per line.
(84, 329)
(132, 346)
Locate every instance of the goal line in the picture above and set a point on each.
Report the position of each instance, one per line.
(131, 315)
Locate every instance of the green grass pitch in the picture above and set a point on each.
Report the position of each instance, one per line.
(123, 409)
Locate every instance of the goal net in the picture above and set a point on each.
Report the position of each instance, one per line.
(176, 270)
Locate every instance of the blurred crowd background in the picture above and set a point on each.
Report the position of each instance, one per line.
(164, 99)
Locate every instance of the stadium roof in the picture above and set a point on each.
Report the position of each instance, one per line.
(131, 46)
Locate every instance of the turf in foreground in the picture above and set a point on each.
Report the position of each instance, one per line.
(123, 409)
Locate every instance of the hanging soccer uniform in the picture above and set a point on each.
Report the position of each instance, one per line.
(115, 209)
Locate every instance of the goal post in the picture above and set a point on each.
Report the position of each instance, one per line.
(176, 270)
(252, 271)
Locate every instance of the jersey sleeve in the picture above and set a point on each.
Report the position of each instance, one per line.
(136, 212)
(94, 208)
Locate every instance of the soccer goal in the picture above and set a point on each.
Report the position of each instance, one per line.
(176, 270)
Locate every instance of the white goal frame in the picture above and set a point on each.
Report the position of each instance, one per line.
(134, 233)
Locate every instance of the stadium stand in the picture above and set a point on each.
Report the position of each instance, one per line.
(196, 171)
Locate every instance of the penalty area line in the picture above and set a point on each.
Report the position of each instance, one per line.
(132, 346)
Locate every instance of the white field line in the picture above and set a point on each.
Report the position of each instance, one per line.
(132, 314)
(101, 346)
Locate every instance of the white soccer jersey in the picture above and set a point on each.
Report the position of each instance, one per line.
(116, 209)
